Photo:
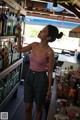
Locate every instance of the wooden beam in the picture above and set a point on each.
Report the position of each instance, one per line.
(56, 17)
(25, 3)
(75, 32)
(16, 6)
(72, 8)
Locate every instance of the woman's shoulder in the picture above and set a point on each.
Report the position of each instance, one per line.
(35, 43)
(50, 51)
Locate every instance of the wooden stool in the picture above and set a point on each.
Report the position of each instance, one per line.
(61, 117)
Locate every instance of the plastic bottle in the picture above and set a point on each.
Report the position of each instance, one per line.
(76, 52)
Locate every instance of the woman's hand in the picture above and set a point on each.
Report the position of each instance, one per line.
(19, 29)
(48, 97)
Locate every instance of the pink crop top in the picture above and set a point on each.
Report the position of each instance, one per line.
(38, 63)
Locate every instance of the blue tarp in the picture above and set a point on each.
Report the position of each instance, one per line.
(58, 8)
(44, 21)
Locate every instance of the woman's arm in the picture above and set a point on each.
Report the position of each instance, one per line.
(19, 46)
(50, 70)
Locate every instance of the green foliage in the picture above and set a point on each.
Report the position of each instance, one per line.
(33, 32)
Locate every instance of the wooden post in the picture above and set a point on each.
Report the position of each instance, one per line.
(25, 4)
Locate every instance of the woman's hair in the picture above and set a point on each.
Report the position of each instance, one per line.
(53, 32)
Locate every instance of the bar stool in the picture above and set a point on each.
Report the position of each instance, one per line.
(61, 117)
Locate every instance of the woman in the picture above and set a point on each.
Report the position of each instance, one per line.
(38, 85)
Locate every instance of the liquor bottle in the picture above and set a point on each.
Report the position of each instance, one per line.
(10, 24)
(5, 55)
(1, 63)
(14, 22)
(0, 24)
(5, 86)
(3, 22)
(18, 23)
(1, 90)
(1, 59)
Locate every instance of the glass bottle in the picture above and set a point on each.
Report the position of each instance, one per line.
(10, 24)
(0, 24)
(1, 59)
(18, 22)
(1, 63)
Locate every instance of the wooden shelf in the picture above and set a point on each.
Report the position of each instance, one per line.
(13, 66)
(14, 90)
(42, 1)
(58, 1)
(7, 37)
(16, 6)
